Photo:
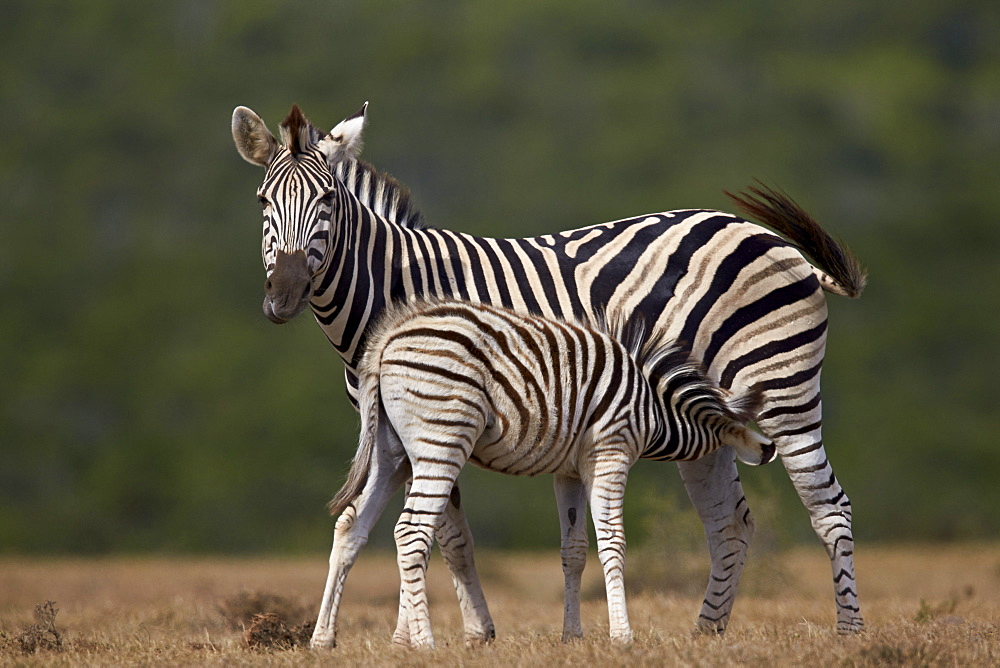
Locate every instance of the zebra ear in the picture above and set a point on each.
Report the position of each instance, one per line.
(344, 140)
(252, 138)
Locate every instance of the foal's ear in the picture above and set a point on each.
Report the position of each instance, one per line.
(344, 140)
(253, 140)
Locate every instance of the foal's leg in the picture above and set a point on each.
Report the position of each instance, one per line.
(455, 540)
(430, 493)
(401, 636)
(607, 491)
(571, 499)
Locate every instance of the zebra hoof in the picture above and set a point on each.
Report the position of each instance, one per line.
(850, 626)
(707, 627)
(479, 638)
(570, 635)
(422, 643)
(323, 638)
(622, 638)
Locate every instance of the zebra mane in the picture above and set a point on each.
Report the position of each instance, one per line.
(380, 192)
(654, 354)
(297, 133)
(630, 332)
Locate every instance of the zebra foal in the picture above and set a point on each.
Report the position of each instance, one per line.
(444, 382)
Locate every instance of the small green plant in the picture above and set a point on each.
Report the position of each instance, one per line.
(928, 613)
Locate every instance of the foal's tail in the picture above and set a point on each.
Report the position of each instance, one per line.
(839, 271)
(357, 477)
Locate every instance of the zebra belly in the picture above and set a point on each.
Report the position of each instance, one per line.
(530, 456)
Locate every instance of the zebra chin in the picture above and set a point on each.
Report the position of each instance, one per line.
(280, 314)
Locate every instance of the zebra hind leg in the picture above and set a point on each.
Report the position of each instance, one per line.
(401, 636)
(423, 511)
(455, 540)
(800, 445)
(713, 485)
(571, 499)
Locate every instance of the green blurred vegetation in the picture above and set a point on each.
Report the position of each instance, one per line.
(148, 405)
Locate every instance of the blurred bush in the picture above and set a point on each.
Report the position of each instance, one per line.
(146, 403)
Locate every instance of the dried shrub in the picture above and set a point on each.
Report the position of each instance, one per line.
(240, 609)
(42, 636)
(269, 631)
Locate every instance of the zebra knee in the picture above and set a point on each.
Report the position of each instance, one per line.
(345, 521)
(410, 539)
(834, 527)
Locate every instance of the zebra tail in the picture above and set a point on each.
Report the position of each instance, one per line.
(839, 271)
(357, 476)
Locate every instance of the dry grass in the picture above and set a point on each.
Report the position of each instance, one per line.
(923, 606)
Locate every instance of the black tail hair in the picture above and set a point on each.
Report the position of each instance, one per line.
(778, 211)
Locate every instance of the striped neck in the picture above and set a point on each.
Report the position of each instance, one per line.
(362, 272)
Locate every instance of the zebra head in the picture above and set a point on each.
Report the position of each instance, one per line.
(300, 197)
(699, 415)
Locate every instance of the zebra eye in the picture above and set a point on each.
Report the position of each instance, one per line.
(263, 202)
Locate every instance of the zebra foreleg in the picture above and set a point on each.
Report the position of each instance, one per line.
(713, 485)
(571, 499)
(607, 490)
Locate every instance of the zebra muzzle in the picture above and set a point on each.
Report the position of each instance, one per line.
(288, 287)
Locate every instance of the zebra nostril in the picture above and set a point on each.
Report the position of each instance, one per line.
(267, 285)
(306, 291)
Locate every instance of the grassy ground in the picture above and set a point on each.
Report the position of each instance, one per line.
(923, 606)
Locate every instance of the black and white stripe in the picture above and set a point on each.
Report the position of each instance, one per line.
(447, 382)
(743, 299)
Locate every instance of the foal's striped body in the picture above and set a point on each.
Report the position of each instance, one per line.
(446, 382)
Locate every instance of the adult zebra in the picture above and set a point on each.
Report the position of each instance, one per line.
(345, 241)
(445, 382)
